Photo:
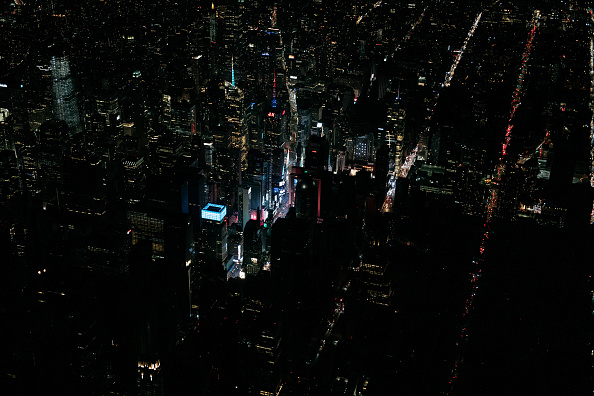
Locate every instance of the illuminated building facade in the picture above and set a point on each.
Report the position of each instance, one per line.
(214, 212)
(65, 103)
(376, 279)
(231, 37)
(149, 379)
(237, 117)
(108, 107)
(134, 178)
(9, 176)
(214, 232)
(243, 210)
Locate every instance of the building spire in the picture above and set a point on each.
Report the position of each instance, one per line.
(232, 72)
(274, 90)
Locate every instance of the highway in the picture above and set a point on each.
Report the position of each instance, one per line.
(450, 74)
(377, 4)
(412, 29)
(412, 156)
(290, 147)
(517, 95)
(491, 206)
(331, 321)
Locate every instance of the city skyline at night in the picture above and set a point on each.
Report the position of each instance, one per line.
(324, 197)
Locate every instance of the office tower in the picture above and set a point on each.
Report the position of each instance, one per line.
(380, 169)
(214, 235)
(53, 140)
(363, 148)
(166, 108)
(65, 103)
(231, 38)
(276, 169)
(104, 250)
(134, 178)
(184, 189)
(149, 379)
(108, 106)
(9, 176)
(229, 172)
(165, 151)
(375, 278)
(179, 116)
(147, 318)
(307, 197)
(304, 108)
(26, 146)
(84, 189)
(171, 240)
(327, 59)
(231, 143)
(160, 265)
(135, 106)
(40, 98)
(237, 117)
(395, 130)
(6, 130)
(316, 153)
(183, 119)
(212, 29)
(274, 121)
(258, 177)
(244, 200)
(263, 331)
(254, 247)
(256, 135)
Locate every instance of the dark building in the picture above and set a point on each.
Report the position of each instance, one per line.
(316, 153)
(213, 240)
(171, 244)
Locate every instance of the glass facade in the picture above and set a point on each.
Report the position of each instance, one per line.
(65, 102)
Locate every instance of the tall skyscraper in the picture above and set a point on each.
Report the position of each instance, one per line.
(214, 233)
(230, 36)
(244, 199)
(64, 99)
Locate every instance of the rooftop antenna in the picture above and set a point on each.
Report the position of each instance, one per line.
(232, 72)
(274, 90)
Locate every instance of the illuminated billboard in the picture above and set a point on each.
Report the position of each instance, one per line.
(214, 212)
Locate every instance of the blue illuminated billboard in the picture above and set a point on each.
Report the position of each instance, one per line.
(214, 212)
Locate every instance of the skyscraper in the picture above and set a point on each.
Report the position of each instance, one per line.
(64, 100)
